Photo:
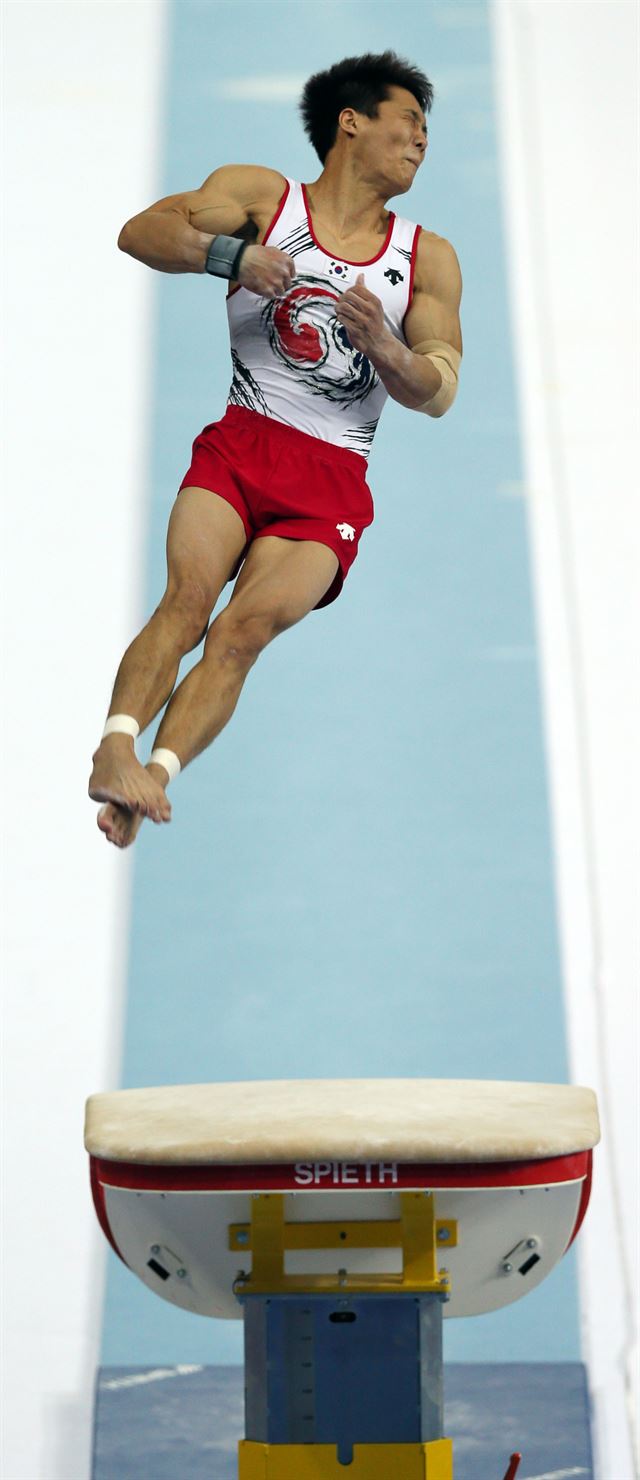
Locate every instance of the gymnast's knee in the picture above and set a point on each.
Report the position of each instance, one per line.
(238, 639)
(187, 607)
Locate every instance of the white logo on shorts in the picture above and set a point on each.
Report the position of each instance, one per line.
(347, 531)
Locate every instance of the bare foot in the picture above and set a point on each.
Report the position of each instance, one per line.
(119, 826)
(119, 778)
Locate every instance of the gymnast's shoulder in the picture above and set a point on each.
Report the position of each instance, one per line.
(437, 267)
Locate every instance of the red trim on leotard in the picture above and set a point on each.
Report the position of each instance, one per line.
(281, 205)
(263, 243)
(334, 255)
(414, 258)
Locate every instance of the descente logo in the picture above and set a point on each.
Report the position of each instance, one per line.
(346, 1174)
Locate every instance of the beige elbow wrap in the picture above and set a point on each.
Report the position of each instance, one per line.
(447, 362)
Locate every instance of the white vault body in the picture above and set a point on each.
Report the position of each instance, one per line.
(177, 1174)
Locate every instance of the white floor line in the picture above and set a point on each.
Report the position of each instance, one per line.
(558, 1474)
(139, 1379)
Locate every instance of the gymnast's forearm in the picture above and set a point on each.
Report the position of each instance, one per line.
(410, 379)
(165, 241)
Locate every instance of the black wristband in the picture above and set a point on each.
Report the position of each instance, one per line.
(224, 256)
(237, 260)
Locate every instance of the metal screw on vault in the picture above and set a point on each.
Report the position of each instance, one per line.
(242, 1236)
(532, 1243)
(507, 1268)
(181, 1274)
(443, 1235)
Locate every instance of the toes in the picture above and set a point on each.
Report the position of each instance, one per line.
(160, 806)
(121, 821)
(164, 808)
(114, 825)
(156, 807)
(120, 837)
(104, 820)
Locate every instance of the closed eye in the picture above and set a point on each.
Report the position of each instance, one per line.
(417, 119)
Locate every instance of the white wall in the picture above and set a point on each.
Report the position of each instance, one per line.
(568, 86)
(82, 95)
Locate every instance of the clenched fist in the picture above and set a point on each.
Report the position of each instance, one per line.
(362, 314)
(267, 271)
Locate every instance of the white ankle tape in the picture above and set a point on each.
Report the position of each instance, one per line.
(168, 759)
(121, 724)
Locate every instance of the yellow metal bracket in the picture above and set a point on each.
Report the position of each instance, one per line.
(370, 1461)
(417, 1232)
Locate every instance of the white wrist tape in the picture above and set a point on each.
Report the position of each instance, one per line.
(121, 724)
(168, 759)
(446, 360)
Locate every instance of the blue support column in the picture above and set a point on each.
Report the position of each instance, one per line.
(325, 1369)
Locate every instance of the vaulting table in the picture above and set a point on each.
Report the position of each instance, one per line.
(342, 1219)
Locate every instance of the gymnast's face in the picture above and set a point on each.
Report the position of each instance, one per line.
(390, 149)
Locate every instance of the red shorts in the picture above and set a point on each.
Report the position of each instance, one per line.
(283, 482)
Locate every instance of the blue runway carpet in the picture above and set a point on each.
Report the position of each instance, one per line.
(169, 1423)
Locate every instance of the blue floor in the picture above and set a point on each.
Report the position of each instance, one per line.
(358, 879)
(186, 1426)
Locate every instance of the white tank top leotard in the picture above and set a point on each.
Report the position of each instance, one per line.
(292, 359)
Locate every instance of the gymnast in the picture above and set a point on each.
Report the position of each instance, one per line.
(334, 304)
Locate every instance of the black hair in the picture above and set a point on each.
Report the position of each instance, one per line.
(357, 82)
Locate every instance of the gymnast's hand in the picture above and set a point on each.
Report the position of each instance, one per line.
(267, 271)
(362, 314)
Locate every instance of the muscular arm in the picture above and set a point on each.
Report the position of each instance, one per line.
(175, 234)
(163, 237)
(409, 376)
